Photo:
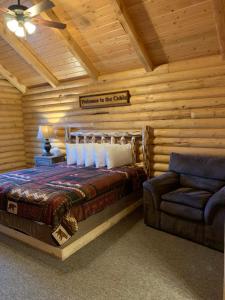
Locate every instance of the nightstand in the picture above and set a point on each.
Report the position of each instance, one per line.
(48, 160)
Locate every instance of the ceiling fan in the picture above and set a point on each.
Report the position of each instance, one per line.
(21, 20)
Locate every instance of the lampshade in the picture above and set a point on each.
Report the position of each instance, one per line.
(45, 132)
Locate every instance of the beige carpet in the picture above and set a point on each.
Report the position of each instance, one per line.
(131, 261)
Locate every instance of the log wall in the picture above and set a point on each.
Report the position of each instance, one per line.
(184, 103)
(12, 154)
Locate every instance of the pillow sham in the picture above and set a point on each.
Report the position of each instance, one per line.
(71, 156)
(118, 155)
(88, 150)
(80, 154)
(99, 155)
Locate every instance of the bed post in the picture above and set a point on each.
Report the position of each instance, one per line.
(67, 134)
(147, 137)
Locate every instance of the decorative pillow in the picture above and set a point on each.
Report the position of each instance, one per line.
(56, 151)
(118, 155)
(99, 155)
(71, 156)
(88, 154)
(80, 154)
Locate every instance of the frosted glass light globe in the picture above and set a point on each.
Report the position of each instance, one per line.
(12, 25)
(20, 32)
(30, 27)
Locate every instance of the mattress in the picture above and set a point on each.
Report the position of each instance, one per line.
(62, 196)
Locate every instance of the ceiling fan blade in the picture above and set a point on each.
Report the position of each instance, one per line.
(6, 11)
(36, 9)
(47, 23)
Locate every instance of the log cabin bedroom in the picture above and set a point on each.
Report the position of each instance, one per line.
(112, 149)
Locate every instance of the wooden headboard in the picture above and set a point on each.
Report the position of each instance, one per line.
(117, 137)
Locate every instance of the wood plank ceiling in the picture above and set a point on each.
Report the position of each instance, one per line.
(108, 36)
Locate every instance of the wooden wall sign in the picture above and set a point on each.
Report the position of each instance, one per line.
(105, 100)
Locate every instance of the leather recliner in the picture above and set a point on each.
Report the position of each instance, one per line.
(189, 199)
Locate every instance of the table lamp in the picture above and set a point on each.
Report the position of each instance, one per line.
(46, 132)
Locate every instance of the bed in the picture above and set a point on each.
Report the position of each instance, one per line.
(61, 208)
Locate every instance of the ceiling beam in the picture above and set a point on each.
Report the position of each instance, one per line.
(12, 79)
(219, 15)
(71, 44)
(130, 29)
(28, 54)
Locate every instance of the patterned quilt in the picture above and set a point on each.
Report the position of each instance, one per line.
(48, 194)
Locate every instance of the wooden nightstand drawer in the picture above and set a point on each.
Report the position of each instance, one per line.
(48, 160)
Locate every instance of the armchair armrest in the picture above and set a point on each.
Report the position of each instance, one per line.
(215, 203)
(160, 185)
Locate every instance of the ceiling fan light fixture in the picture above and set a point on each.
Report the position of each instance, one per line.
(12, 24)
(22, 20)
(20, 31)
(30, 27)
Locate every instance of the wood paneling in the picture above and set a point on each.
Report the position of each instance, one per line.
(98, 40)
(12, 154)
(184, 103)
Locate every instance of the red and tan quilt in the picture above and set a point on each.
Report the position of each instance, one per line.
(49, 194)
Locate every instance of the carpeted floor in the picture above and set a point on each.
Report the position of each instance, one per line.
(130, 261)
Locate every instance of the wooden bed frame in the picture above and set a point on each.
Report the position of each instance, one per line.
(63, 253)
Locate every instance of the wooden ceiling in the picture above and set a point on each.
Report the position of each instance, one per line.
(107, 36)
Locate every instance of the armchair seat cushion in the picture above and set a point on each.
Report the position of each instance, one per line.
(182, 211)
(188, 196)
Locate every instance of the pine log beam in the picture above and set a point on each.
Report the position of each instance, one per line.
(28, 54)
(71, 44)
(132, 33)
(219, 15)
(12, 79)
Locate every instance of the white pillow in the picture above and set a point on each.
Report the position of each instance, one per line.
(80, 154)
(118, 155)
(99, 155)
(56, 151)
(71, 156)
(88, 154)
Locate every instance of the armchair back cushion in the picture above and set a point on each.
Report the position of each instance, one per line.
(212, 167)
(210, 185)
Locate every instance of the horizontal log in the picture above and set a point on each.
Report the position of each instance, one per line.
(207, 92)
(191, 142)
(10, 91)
(12, 166)
(191, 133)
(15, 159)
(160, 167)
(157, 173)
(204, 113)
(12, 153)
(160, 158)
(42, 104)
(10, 102)
(14, 136)
(187, 150)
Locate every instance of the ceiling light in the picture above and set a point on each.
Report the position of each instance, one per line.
(30, 27)
(20, 32)
(12, 25)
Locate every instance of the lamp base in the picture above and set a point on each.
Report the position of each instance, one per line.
(47, 148)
